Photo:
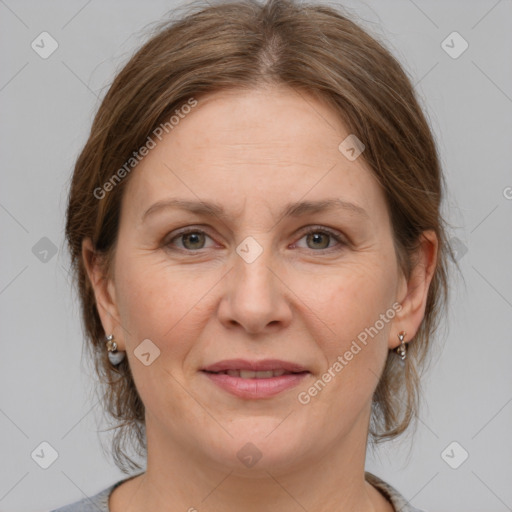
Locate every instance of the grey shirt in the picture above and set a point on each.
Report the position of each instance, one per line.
(99, 502)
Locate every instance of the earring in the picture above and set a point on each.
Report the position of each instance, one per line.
(401, 350)
(114, 356)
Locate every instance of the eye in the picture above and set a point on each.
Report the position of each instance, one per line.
(191, 239)
(320, 238)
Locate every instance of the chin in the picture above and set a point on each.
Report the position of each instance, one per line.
(258, 449)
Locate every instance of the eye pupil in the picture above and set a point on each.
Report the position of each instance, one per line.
(193, 238)
(317, 237)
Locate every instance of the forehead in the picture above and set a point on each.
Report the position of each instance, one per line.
(264, 146)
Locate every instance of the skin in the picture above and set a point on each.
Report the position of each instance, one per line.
(304, 299)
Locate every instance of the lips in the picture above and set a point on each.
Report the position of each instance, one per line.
(255, 379)
(250, 374)
(255, 369)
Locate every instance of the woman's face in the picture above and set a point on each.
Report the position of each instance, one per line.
(248, 283)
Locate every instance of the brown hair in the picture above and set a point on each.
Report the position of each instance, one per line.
(314, 49)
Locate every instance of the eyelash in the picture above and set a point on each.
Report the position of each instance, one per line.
(311, 230)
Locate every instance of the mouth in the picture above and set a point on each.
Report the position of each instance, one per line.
(265, 365)
(249, 374)
(255, 379)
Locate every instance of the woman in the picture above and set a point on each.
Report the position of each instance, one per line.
(256, 236)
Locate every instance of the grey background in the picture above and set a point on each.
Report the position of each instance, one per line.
(46, 110)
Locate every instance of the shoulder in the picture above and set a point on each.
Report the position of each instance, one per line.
(96, 503)
(398, 501)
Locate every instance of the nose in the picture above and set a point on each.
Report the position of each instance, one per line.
(256, 297)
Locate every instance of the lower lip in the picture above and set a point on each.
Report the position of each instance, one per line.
(256, 388)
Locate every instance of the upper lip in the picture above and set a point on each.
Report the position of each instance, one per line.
(256, 366)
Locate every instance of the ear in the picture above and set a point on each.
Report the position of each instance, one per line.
(414, 291)
(104, 292)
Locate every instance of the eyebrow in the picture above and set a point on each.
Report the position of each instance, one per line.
(297, 209)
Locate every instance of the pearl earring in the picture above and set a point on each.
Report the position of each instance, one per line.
(114, 356)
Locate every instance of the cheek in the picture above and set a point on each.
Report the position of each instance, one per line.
(356, 306)
(352, 298)
(155, 302)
